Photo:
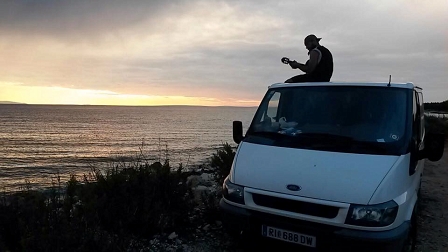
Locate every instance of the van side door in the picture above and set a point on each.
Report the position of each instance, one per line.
(418, 131)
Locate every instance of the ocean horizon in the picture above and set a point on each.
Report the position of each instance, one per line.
(40, 142)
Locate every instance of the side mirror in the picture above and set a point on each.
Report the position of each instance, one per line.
(434, 145)
(237, 131)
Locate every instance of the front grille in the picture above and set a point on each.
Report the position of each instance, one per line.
(296, 206)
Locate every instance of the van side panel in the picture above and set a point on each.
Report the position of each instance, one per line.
(399, 185)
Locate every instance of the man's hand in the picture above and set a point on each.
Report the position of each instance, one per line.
(294, 64)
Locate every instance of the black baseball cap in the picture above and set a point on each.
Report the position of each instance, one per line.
(312, 36)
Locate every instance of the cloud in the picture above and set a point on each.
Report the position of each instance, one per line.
(80, 19)
(217, 49)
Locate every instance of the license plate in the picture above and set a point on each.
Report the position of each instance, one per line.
(288, 236)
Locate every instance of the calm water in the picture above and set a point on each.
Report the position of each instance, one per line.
(38, 141)
(437, 115)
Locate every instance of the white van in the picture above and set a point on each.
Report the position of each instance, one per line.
(331, 166)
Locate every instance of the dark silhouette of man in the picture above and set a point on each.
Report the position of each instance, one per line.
(319, 67)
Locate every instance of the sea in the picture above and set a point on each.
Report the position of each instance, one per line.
(42, 145)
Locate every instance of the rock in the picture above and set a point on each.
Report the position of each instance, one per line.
(207, 179)
(218, 223)
(194, 180)
(173, 235)
(206, 227)
(154, 241)
(202, 188)
(199, 191)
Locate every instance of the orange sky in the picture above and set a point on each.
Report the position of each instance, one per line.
(59, 95)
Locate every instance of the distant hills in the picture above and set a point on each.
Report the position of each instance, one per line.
(10, 102)
(437, 106)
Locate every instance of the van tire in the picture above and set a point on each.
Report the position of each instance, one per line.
(411, 240)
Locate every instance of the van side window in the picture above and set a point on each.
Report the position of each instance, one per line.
(414, 116)
(273, 106)
(417, 127)
(422, 115)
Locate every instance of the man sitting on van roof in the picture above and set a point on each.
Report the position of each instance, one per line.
(319, 68)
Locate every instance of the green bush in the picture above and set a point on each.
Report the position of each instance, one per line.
(142, 200)
(101, 213)
(222, 162)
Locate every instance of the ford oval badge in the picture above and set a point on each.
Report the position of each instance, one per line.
(293, 187)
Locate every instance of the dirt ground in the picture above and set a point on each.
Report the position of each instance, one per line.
(433, 217)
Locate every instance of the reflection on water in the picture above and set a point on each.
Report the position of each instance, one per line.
(36, 141)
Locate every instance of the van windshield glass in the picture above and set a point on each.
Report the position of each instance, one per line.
(354, 117)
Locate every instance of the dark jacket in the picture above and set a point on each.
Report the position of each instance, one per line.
(324, 69)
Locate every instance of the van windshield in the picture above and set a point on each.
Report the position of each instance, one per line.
(355, 119)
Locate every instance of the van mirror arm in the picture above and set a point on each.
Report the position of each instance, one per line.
(434, 146)
(422, 154)
(237, 131)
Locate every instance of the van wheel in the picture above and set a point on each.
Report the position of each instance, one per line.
(411, 239)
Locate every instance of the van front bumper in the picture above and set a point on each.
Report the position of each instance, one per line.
(240, 220)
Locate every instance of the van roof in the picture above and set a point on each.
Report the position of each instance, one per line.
(408, 85)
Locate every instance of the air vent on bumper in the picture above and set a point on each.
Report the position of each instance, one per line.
(301, 207)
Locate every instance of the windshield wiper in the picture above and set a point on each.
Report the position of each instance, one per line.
(372, 146)
(266, 133)
(326, 136)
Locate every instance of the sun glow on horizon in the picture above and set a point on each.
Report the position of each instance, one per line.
(18, 92)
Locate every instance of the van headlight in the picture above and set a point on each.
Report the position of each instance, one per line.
(232, 192)
(379, 215)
